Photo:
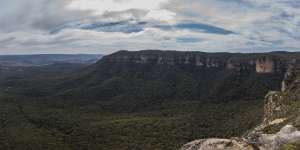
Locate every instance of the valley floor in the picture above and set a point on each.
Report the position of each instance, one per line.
(34, 124)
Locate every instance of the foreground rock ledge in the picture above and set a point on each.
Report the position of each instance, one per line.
(218, 144)
(287, 135)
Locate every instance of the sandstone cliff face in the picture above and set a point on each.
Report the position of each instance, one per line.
(265, 65)
(259, 63)
(167, 58)
(278, 129)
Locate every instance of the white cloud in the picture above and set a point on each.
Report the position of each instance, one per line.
(161, 15)
(100, 6)
(258, 25)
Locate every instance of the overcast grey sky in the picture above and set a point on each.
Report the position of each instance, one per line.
(105, 26)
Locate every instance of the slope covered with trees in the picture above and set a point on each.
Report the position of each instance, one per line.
(138, 100)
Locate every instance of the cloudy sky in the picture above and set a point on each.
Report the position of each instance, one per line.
(105, 26)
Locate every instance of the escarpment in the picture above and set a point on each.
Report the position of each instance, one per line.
(169, 58)
(259, 63)
(279, 129)
(176, 75)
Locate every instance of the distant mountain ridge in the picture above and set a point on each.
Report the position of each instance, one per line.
(176, 75)
(47, 59)
(161, 75)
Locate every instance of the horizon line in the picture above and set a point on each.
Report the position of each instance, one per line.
(170, 50)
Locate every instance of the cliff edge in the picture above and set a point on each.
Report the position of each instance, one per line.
(280, 125)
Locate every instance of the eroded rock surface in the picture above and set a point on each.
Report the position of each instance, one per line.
(287, 135)
(218, 144)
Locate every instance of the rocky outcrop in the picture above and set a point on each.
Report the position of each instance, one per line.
(274, 106)
(287, 135)
(278, 104)
(291, 77)
(218, 144)
(278, 129)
